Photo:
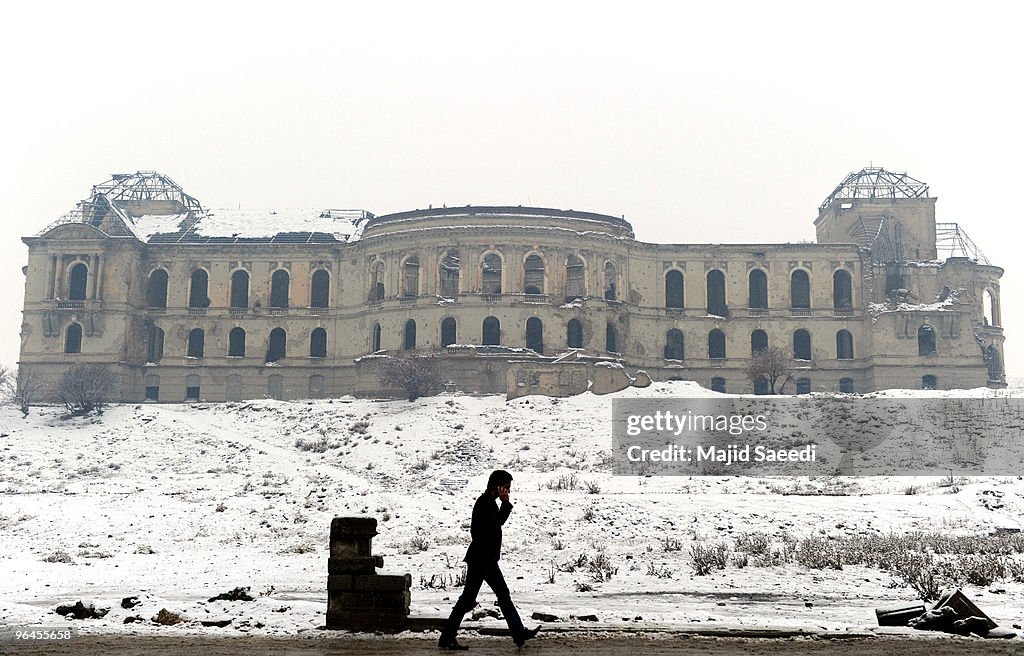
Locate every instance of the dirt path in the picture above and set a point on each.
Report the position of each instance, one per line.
(634, 645)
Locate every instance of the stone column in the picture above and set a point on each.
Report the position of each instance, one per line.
(359, 599)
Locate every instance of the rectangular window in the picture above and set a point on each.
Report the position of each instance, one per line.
(152, 392)
(192, 393)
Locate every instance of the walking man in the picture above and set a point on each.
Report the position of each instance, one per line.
(482, 564)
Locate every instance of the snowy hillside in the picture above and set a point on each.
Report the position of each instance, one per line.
(175, 504)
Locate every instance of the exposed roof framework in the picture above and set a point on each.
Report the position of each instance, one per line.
(112, 196)
(146, 185)
(952, 241)
(876, 182)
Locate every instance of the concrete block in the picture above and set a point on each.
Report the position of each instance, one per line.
(351, 527)
(354, 565)
(349, 601)
(357, 548)
(383, 582)
(340, 582)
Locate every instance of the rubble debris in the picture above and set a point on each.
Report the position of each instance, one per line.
(130, 602)
(80, 611)
(952, 613)
(238, 594)
(168, 618)
(898, 616)
(544, 617)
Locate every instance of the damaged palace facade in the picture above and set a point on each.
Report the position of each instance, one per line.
(187, 303)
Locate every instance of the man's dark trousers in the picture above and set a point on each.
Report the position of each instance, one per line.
(476, 574)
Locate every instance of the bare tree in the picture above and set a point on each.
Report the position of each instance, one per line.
(771, 365)
(418, 374)
(21, 386)
(86, 387)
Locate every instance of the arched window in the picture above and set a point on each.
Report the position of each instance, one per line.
(929, 382)
(318, 343)
(240, 289)
(846, 385)
(77, 282)
(276, 344)
(196, 343)
(448, 331)
(154, 343)
(926, 340)
(716, 344)
(156, 289)
(377, 290)
(842, 290)
(989, 309)
(192, 387)
(718, 384)
(674, 289)
(611, 282)
(674, 345)
(411, 277)
(535, 335)
(801, 345)
(73, 338)
(533, 275)
(574, 288)
(758, 341)
(198, 295)
(279, 283)
(236, 343)
(375, 341)
(800, 290)
(574, 334)
(803, 385)
(716, 293)
(757, 288)
(449, 271)
(491, 274)
(844, 345)
(610, 338)
(409, 335)
(320, 292)
(491, 332)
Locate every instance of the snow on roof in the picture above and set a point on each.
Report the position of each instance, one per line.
(248, 223)
(147, 225)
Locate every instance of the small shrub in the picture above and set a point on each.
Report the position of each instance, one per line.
(593, 487)
(659, 571)
(589, 514)
(59, 556)
(316, 445)
(671, 544)
(707, 558)
(564, 482)
(601, 568)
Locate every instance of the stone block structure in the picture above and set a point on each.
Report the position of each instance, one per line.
(359, 599)
(187, 303)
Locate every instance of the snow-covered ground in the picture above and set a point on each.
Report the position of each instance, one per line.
(175, 504)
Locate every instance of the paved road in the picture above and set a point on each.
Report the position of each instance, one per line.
(553, 645)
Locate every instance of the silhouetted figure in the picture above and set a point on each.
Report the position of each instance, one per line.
(482, 564)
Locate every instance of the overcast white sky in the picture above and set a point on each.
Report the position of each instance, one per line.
(724, 123)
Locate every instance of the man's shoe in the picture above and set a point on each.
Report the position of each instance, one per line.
(451, 645)
(525, 635)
